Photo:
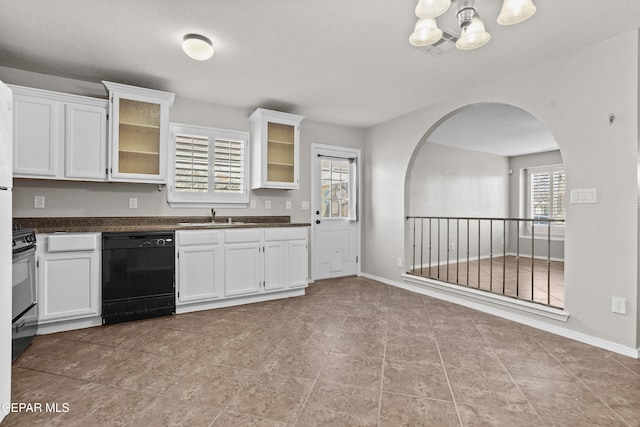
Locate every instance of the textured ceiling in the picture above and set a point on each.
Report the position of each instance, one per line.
(337, 61)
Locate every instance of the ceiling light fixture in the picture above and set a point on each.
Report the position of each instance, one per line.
(474, 34)
(197, 46)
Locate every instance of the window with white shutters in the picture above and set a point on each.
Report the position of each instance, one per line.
(210, 167)
(546, 197)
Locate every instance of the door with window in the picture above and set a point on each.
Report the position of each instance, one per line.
(334, 213)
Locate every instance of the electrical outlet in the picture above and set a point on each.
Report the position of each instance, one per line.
(38, 202)
(619, 305)
(253, 204)
(452, 246)
(267, 204)
(400, 262)
(304, 205)
(133, 203)
(287, 204)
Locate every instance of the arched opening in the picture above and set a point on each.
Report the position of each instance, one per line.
(486, 204)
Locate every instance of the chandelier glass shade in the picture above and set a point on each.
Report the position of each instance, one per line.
(515, 11)
(425, 33)
(474, 34)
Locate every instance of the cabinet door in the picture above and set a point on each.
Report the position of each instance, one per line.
(68, 285)
(282, 154)
(200, 273)
(36, 136)
(275, 276)
(275, 149)
(298, 264)
(242, 266)
(86, 142)
(139, 133)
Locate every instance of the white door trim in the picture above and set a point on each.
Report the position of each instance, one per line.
(350, 152)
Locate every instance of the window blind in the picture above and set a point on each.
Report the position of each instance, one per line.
(228, 166)
(192, 164)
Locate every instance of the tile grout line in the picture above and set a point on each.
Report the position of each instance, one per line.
(384, 359)
(513, 381)
(444, 368)
(315, 381)
(581, 382)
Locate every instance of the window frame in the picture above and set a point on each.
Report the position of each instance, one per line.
(211, 198)
(557, 231)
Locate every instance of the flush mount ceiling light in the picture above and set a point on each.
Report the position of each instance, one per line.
(197, 46)
(474, 35)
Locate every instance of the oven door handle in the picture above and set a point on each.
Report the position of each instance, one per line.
(24, 252)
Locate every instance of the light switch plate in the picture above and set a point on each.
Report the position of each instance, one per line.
(287, 204)
(584, 195)
(304, 205)
(267, 204)
(133, 203)
(253, 204)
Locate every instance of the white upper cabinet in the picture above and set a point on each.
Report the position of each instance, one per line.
(59, 136)
(275, 149)
(85, 142)
(139, 133)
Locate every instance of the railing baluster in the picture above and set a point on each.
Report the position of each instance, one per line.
(457, 250)
(413, 257)
(468, 252)
(504, 254)
(549, 263)
(533, 240)
(421, 243)
(479, 227)
(430, 247)
(517, 258)
(448, 247)
(491, 255)
(438, 248)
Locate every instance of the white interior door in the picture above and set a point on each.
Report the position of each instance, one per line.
(335, 211)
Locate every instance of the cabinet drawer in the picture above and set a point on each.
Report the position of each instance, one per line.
(73, 242)
(240, 236)
(289, 233)
(198, 237)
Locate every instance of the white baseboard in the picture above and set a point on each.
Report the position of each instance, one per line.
(249, 299)
(68, 325)
(482, 305)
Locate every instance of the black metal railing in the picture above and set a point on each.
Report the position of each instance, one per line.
(487, 254)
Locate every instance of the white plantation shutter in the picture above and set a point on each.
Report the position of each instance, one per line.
(558, 189)
(210, 167)
(547, 188)
(192, 163)
(229, 166)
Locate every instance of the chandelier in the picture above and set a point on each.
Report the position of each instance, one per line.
(473, 35)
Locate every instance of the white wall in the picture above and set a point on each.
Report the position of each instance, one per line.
(66, 198)
(453, 182)
(573, 96)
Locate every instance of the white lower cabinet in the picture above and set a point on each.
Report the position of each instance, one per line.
(217, 265)
(68, 276)
(200, 265)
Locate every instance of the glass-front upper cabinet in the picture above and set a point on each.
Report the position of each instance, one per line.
(139, 132)
(275, 149)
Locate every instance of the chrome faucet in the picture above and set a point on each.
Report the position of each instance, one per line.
(213, 215)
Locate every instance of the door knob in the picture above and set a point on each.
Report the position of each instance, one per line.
(317, 221)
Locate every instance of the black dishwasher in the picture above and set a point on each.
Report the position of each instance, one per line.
(138, 276)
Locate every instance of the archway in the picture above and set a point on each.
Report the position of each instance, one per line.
(486, 204)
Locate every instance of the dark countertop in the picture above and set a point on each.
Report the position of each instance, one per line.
(149, 223)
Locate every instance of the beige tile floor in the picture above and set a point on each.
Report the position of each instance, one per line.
(352, 352)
